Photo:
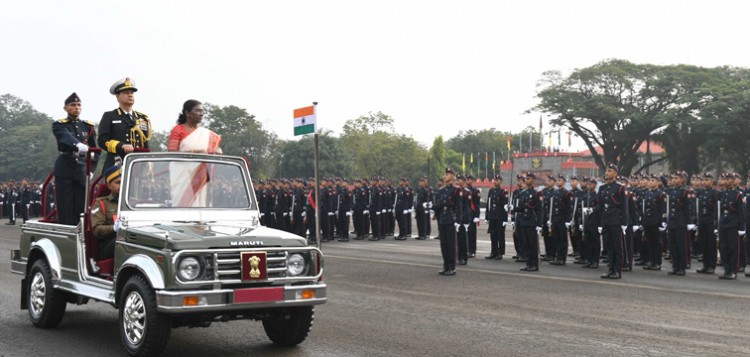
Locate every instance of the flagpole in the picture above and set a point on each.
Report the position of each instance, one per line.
(317, 183)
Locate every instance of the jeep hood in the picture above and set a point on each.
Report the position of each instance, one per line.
(205, 236)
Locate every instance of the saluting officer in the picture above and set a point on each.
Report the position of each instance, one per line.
(496, 218)
(74, 137)
(612, 204)
(123, 130)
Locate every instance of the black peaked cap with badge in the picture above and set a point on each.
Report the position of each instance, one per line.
(118, 128)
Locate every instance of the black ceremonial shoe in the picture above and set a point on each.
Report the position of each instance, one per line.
(530, 269)
(491, 256)
(449, 272)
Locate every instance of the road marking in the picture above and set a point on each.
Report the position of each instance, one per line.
(556, 278)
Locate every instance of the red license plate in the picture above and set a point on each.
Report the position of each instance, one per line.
(258, 295)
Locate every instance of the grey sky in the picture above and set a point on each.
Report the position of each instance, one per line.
(436, 66)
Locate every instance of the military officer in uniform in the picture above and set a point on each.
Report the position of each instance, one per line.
(529, 217)
(707, 197)
(680, 219)
(559, 201)
(123, 130)
(103, 223)
(445, 211)
(652, 207)
(474, 203)
(612, 205)
(731, 226)
(496, 217)
(74, 138)
(424, 203)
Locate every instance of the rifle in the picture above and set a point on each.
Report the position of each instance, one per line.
(697, 217)
(549, 222)
(573, 219)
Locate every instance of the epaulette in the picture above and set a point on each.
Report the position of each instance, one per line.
(141, 114)
(63, 120)
(89, 122)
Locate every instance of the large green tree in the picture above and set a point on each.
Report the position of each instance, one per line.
(28, 147)
(616, 105)
(297, 157)
(242, 135)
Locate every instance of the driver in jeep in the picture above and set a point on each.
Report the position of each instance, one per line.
(103, 213)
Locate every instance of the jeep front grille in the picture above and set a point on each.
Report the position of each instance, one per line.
(228, 267)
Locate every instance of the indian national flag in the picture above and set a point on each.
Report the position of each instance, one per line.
(304, 120)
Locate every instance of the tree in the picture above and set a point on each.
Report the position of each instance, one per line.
(242, 135)
(297, 157)
(375, 148)
(28, 146)
(436, 160)
(616, 104)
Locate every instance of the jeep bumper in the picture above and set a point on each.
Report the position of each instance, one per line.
(17, 264)
(172, 302)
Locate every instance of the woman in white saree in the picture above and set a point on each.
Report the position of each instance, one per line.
(189, 180)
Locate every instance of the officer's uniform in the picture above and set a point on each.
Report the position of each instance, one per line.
(652, 205)
(474, 204)
(680, 214)
(424, 202)
(590, 238)
(118, 128)
(344, 211)
(546, 232)
(613, 206)
(560, 207)
(298, 205)
(707, 198)
(732, 220)
(376, 209)
(528, 220)
(496, 215)
(445, 210)
(70, 167)
(103, 214)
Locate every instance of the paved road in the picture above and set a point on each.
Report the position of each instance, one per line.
(386, 299)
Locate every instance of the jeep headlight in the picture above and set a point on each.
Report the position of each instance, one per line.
(295, 265)
(189, 268)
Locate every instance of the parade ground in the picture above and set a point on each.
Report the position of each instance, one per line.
(385, 298)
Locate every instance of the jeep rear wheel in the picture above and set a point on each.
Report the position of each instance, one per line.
(46, 304)
(291, 327)
(143, 330)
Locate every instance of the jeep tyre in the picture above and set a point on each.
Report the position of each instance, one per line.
(143, 330)
(46, 304)
(291, 327)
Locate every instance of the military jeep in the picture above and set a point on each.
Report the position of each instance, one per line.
(189, 252)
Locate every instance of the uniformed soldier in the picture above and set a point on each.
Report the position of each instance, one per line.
(706, 197)
(612, 205)
(74, 138)
(652, 207)
(298, 207)
(404, 201)
(496, 217)
(548, 243)
(575, 217)
(559, 214)
(463, 210)
(104, 224)
(475, 197)
(344, 210)
(680, 219)
(529, 220)
(590, 220)
(11, 203)
(445, 211)
(359, 202)
(424, 203)
(518, 244)
(376, 209)
(731, 226)
(123, 130)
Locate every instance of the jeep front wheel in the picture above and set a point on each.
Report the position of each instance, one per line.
(291, 327)
(46, 304)
(143, 330)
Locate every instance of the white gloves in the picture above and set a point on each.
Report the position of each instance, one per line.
(716, 231)
(349, 213)
(262, 214)
(580, 227)
(599, 229)
(476, 220)
(424, 205)
(692, 227)
(662, 229)
(549, 223)
(82, 148)
(330, 214)
(567, 224)
(624, 229)
(587, 211)
(366, 212)
(406, 211)
(742, 233)
(505, 224)
(457, 226)
(377, 213)
(664, 224)
(117, 225)
(286, 214)
(383, 211)
(539, 229)
(508, 207)
(636, 228)
(304, 214)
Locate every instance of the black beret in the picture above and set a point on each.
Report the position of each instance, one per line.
(530, 175)
(448, 170)
(612, 166)
(459, 177)
(498, 177)
(560, 176)
(469, 177)
(708, 175)
(73, 98)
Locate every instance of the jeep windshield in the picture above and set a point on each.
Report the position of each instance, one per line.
(189, 182)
